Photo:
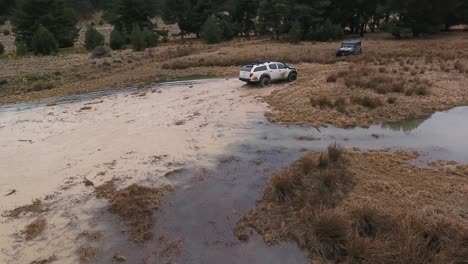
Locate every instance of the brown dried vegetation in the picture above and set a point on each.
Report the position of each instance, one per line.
(35, 207)
(34, 229)
(135, 205)
(366, 207)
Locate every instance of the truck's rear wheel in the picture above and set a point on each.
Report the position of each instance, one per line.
(265, 81)
(292, 77)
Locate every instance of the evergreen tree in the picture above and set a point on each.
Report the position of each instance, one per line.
(21, 48)
(125, 14)
(116, 41)
(52, 14)
(151, 39)
(43, 42)
(212, 31)
(295, 34)
(93, 38)
(137, 39)
(2, 48)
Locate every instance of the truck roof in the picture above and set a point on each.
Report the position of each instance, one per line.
(356, 41)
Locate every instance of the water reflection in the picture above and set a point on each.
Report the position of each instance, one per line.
(406, 125)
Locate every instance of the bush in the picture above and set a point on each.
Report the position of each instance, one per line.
(21, 48)
(100, 51)
(137, 39)
(295, 34)
(151, 39)
(93, 38)
(6, 32)
(2, 49)
(116, 40)
(43, 42)
(211, 31)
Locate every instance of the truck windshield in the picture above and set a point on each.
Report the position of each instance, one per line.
(347, 45)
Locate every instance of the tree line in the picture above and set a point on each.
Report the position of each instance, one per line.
(218, 20)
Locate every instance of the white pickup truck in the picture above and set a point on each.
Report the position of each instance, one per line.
(264, 72)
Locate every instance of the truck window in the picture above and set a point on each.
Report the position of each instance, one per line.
(247, 68)
(273, 66)
(261, 68)
(281, 66)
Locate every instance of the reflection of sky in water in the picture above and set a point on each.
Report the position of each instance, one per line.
(444, 135)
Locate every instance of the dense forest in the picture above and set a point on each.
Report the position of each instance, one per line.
(218, 20)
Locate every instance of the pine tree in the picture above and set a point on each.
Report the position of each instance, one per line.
(125, 14)
(151, 39)
(52, 14)
(93, 38)
(43, 42)
(116, 41)
(2, 49)
(137, 39)
(296, 33)
(212, 32)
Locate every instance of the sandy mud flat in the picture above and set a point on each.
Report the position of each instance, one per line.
(209, 140)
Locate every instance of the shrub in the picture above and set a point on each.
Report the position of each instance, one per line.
(321, 102)
(296, 33)
(369, 102)
(41, 86)
(6, 32)
(211, 31)
(21, 48)
(332, 78)
(421, 90)
(116, 40)
(391, 100)
(137, 39)
(335, 152)
(43, 42)
(100, 51)
(2, 48)
(151, 39)
(284, 186)
(93, 38)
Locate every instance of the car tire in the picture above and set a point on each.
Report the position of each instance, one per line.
(292, 77)
(264, 81)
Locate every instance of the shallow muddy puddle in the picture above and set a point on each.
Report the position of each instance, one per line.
(213, 143)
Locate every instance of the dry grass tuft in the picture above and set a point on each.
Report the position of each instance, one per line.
(391, 100)
(332, 78)
(41, 86)
(321, 102)
(87, 253)
(34, 208)
(284, 186)
(135, 205)
(335, 152)
(34, 229)
(323, 219)
(367, 101)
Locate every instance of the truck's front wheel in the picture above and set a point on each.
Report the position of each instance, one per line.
(292, 77)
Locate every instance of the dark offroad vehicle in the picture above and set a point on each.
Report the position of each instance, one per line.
(351, 47)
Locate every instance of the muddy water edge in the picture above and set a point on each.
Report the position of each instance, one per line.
(213, 191)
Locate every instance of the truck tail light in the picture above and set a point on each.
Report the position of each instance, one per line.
(251, 74)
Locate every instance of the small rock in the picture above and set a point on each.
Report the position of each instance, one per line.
(179, 123)
(85, 108)
(51, 104)
(120, 257)
(88, 182)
